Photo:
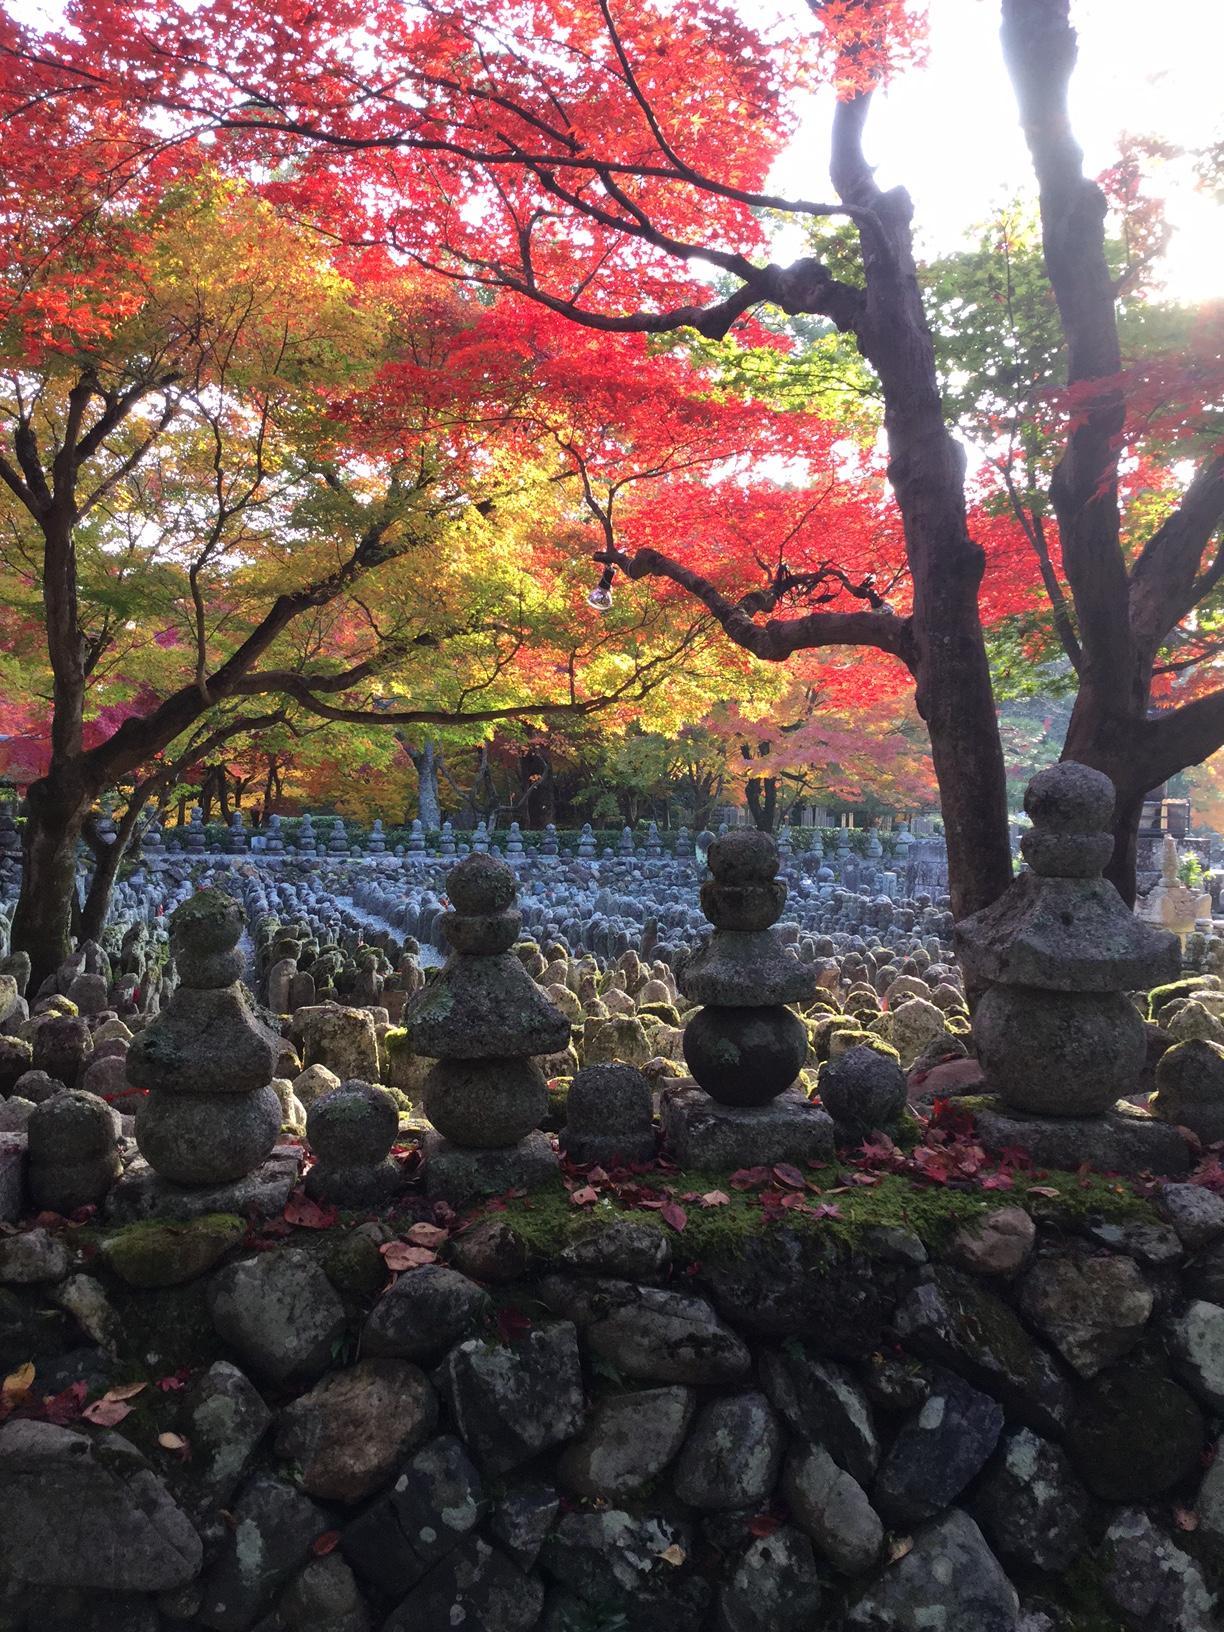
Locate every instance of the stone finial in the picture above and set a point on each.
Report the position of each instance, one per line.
(1055, 1033)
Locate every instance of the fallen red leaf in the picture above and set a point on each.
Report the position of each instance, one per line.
(307, 1214)
(674, 1215)
(399, 1255)
(326, 1543)
(788, 1175)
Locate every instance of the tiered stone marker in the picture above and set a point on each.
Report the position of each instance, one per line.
(1059, 1041)
(212, 1116)
(483, 1020)
(745, 1047)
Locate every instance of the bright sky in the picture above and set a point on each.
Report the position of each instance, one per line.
(950, 132)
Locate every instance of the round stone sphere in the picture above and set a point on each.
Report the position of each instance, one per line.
(70, 1127)
(863, 1090)
(1059, 1053)
(354, 1124)
(610, 1098)
(208, 922)
(745, 1056)
(486, 1104)
(744, 857)
(481, 884)
(1070, 798)
(203, 1139)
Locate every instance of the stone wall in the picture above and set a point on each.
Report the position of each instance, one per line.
(933, 1412)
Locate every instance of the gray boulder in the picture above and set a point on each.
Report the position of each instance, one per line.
(274, 1527)
(1031, 1507)
(476, 1586)
(629, 1440)
(512, 1401)
(949, 1579)
(776, 1587)
(732, 1455)
(833, 1509)
(435, 1502)
(937, 1452)
(349, 1433)
(425, 1313)
(1154, 1583)
(1093, 1310)
(86, 1510)
(279, 1311)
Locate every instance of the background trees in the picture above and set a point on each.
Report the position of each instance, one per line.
(586, 175)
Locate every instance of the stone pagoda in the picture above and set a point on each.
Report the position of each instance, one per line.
(1056, 1033)
(212, 1116)
(484, 1020)
(745, 1047)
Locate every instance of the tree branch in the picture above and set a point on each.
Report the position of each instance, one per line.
(776, 640)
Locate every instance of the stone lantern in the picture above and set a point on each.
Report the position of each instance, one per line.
(1056, 1033)
(745, 1047)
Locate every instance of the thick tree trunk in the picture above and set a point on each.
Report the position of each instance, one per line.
(762, 792)
(56, 808)
(96, 910)
(926, 468)
(429, 804)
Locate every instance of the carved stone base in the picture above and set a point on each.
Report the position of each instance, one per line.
(701, 1133)
(1123, 1140)
(142, 1193)
(458, 1174)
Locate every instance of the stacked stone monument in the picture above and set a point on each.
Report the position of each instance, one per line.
(211, 1117)
(483, 1020)
(1056, 1034)
(745, 1047)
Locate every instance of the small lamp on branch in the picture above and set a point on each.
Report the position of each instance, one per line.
(601, 596)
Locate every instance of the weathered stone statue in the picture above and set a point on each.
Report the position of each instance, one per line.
(483, 1020)
(1056, 1033)
(745, 1047)
(211, 1116)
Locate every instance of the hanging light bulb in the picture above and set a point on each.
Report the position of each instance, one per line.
(601, 596)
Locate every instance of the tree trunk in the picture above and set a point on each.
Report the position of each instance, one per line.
(762, 794)
(96, 910)
(429, 804)
(56, 808)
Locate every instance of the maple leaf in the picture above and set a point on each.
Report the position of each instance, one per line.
(306, 1214)
(399, 1255)
(674, 1215)
(106, 1412)
(512, 1323)
(786, 1174)
(66, 1406)
(715, 1198)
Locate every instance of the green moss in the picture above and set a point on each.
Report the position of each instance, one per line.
(161, 1254)
(547, 1221)
(1160, 995)
(397, 1040)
